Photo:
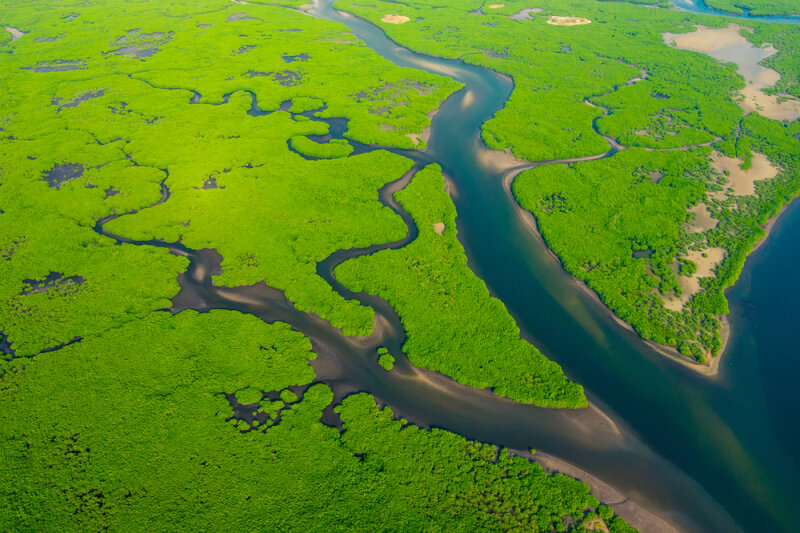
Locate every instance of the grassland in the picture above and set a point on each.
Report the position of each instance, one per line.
(625, 224)
(117, 414)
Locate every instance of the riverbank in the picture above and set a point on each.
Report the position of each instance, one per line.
(709, 369)
(633, 513)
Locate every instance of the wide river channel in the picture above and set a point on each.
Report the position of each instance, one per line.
(706, 454)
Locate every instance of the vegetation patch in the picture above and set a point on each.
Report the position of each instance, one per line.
(453, 324)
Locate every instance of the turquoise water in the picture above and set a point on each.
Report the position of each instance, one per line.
(700, 7)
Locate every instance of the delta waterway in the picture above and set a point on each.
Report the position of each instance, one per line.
(702, 453)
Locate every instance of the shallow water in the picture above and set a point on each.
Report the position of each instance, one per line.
(721, 433)
(700, 7)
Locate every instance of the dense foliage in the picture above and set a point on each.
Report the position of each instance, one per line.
(757, 7)
(620, 224)
(115, 413)
(453, 325)
(142, 437)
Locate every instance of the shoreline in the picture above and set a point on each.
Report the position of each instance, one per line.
(635, 514)
(709, 369)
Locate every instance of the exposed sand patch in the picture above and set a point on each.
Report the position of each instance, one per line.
(499, 159)
(15, 33)
(416, 138)
(741, 182)
(438, 227)
(567, 21)
(495, 6)
(395, 19)
(726, 44)
(305, 7)
(703, 221)
(691, 285)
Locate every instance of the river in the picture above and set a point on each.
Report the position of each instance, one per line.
(707, 454)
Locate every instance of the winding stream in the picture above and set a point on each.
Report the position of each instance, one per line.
(703, 455)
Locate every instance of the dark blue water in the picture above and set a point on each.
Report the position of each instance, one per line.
(718, 447)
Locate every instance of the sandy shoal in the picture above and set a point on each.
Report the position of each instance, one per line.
(395, 19)
(567, 21)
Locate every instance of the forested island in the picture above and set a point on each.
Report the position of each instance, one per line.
(226, 243)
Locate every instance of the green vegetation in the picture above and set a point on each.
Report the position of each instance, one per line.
(142, 437)
(111, 119)
(385, 359)
(620, 224)
(453, 325)
(756, 7)
(330, 150)
(784, 37)
(117, 414)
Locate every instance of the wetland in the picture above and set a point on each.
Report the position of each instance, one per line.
(439, 319)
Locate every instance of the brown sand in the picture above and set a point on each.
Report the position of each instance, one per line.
(726, 44)
(741, 182)
(438, 227)
(15, 33)
(703, 221)
(691, 285)
(495, 6)
(417, 138)
(567, 21)
(395, 19)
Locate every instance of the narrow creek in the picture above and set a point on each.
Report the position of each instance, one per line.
(700, 455)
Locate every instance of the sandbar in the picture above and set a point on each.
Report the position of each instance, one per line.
(395, 19)
(567, 21)
(15, 33)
